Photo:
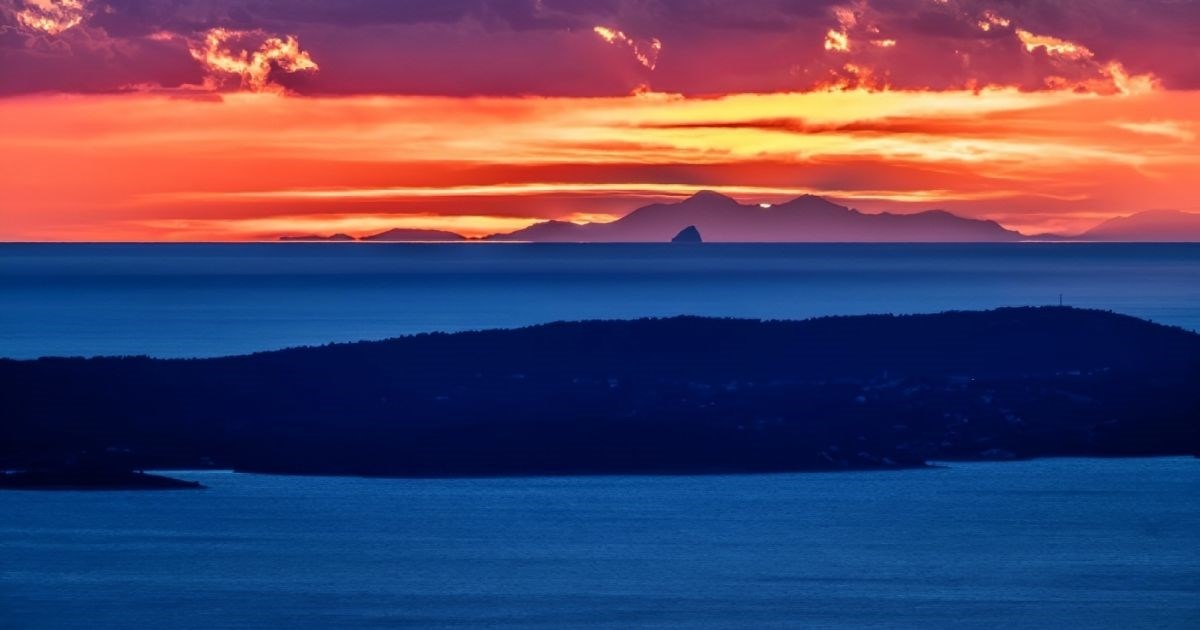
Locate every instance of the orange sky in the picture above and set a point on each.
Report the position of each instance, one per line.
(233, 149)
(143, 166)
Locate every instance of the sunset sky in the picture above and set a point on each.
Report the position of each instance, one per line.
(226, 120)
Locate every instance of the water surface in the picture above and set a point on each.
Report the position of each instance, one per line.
(1067, 543)
(178, 300)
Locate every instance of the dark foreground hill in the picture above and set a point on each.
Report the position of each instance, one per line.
(658, 395)
(84, 478)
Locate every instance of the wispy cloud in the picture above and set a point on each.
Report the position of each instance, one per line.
(632, 189)
(1175, 130)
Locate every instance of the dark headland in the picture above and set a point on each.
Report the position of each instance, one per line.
(678, 395)
(70, 477)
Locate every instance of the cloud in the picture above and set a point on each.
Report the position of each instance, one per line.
(990, 19)
(548, 47)
(51, 16)
(1172, 129)
(1106, 77)
(645, 52)
(1053, 46)
(837, 41)
(222, 59)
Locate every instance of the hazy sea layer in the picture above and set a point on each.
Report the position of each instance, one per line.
(215, 299)
(1066, 543)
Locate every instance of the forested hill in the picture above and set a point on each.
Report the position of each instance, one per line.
(682, 394)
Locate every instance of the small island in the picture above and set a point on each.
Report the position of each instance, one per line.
(688, 234)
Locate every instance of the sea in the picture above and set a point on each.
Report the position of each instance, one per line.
(1054, 543)
(203, 300)
(1066, 543)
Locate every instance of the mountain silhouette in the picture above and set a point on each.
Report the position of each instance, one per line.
(805, 219)
(405, 235)
(339, 237)
(1164, 226)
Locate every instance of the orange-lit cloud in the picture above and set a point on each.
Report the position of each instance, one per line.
(1053, 45)
(646, 53)
(52, 16)
(645, 189)
(837, 41)
(484, 47)
(252, 68)
(1110, 76)
(991, 20)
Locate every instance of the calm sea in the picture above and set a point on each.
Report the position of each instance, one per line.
(1068, 543)
(215, 299)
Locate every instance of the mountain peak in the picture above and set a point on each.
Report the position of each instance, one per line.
(811, 200)
(710, 195)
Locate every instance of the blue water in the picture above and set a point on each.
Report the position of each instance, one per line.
(1068, 543)
(216, 299)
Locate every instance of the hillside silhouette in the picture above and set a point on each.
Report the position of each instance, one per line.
(684, 394)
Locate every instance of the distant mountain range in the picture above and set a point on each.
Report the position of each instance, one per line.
(395, 235)
(806, 219)
(314, 237)
(1162, 226)
(401, 235)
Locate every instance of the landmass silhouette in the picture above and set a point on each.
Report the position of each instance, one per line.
(806, 219)
(677, 395)
(1152, 226)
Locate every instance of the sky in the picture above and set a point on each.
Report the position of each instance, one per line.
(226, 120)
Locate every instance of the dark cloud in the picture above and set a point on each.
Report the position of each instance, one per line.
(548, 47)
